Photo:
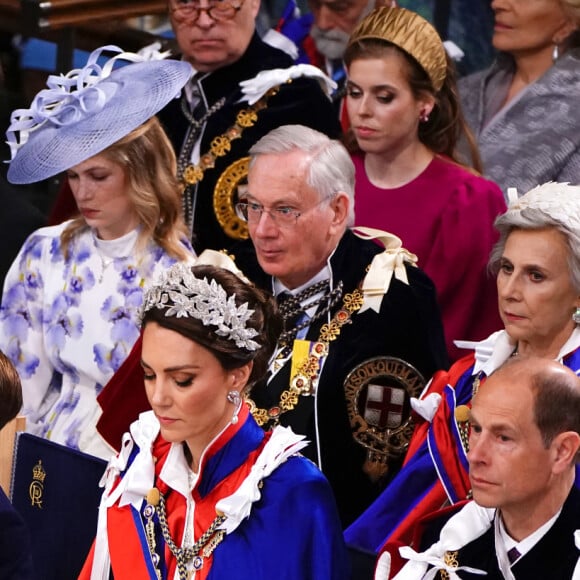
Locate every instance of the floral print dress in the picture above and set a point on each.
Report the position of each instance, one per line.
(68, 324)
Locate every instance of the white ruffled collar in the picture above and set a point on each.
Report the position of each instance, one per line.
(139, 478)
(493, 351)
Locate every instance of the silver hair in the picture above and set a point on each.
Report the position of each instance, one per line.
(551, 205)
(330, 170)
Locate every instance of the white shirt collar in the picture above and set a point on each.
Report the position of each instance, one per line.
(503, 541)
(278, 287)
(191, 96)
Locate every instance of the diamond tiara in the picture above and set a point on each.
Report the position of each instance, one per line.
(183, 295)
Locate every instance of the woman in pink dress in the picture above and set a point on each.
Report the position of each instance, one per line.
(406, 121)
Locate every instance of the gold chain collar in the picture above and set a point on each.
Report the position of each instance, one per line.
(302, 383)
(222, 144)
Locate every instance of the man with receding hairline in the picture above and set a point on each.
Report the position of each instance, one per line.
(362, 330)
(524, 522)
(242, 88)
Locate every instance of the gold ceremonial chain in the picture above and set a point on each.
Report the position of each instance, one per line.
(303, 382)
(222, 144)
(193, 133)
(450, 559)
(462, 413)
(206, 544)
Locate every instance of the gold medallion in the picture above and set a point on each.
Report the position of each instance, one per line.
(378, 393)
(225, 197)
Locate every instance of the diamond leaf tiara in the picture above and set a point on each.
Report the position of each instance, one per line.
(183, 295)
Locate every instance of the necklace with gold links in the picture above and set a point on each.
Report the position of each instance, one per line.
(206, 543)
(194, 126)
(191, 174)
(221, 145)
(304, 380)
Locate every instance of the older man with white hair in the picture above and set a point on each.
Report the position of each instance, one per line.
(362, 327)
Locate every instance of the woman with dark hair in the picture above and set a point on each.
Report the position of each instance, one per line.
(198, 489)
(406, 119)
(69, 314)
(10, 391)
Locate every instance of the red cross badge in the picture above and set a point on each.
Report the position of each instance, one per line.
(378, 393)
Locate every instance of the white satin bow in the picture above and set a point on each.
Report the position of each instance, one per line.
(384, 265)
(464, 527)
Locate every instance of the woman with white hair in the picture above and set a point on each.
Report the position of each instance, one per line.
(69, 313)
(537, 262)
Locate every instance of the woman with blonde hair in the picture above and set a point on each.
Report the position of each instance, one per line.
(69, 313)
(523, 109)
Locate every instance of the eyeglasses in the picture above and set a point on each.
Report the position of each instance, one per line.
(251, 212)
(218, 10)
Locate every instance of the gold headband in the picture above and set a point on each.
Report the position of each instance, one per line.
(411, 33)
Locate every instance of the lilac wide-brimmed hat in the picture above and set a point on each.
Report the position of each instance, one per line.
(85, 111)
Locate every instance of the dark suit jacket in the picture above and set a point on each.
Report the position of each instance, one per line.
(408, 327)
(15, 552)
(18, 219)
(554, 557)
(300, 102)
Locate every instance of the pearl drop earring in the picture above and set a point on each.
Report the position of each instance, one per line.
(234, 398)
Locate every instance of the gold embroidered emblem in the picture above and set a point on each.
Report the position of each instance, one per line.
(36, 488)
(378, 393)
